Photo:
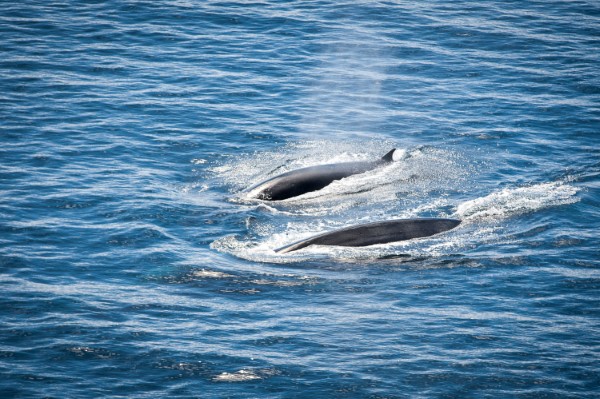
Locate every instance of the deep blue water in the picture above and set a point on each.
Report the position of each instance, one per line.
(133, 265)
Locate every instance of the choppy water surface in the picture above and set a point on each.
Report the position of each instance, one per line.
(133, 264)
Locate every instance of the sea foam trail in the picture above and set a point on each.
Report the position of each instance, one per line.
(511, 202)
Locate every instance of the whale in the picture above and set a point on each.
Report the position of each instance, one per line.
(313, 178)
(376, 233)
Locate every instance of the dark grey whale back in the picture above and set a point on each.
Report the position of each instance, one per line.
(312, 178)
(376, 233)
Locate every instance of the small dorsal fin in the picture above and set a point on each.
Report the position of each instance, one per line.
(389, 157)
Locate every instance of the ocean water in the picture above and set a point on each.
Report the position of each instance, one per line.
(132, 263)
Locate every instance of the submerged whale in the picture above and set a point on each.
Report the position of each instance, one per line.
(376, 233)
(312, 178)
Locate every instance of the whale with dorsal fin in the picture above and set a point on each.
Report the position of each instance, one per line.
(313, 178)
(376, 233)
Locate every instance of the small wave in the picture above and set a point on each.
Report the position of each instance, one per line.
(243, 375)
(86, 351)
(203, 273)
